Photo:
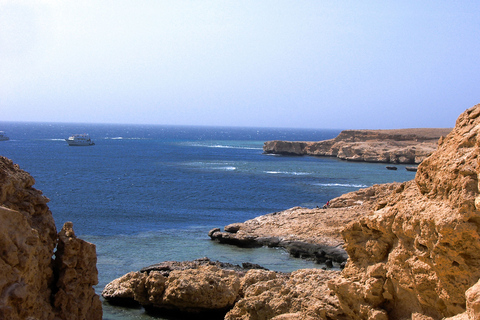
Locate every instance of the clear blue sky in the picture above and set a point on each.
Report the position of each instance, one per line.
(314, 64)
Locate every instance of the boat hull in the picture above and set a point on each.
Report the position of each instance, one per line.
(80, 140)
(80, 144)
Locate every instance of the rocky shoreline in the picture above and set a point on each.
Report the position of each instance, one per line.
(400, 146)
(205, 289)
(313, 234)
(413, 253)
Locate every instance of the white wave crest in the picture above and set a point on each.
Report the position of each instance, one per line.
(288, 173)
(348, 185)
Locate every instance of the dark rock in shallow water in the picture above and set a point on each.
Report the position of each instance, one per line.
(250, 266)
(213, 231)
(232, 238)
(298, 249)
(319, 253)
(168, 266)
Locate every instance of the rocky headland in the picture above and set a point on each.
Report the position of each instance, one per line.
(403, 146)
(306, 233)
(413, 251)
(43, 274)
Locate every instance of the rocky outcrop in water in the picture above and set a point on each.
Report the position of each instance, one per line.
(201, 287)
(33, 285)
(306, 233)
(213, 290)
(407, 146)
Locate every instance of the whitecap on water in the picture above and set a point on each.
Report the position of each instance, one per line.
(294, 173)
(343, 185)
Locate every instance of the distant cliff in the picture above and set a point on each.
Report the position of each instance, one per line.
(407, 146)
(43, 275)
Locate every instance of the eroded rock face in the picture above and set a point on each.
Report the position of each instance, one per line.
(302, 295)
(198, 286)
(28, 275)
(407, 146)
(416, 255)
(76, 268)
(202, 285)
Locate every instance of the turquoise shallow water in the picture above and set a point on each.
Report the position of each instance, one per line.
(146, 194)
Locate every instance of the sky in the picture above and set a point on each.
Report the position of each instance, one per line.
(293, 64)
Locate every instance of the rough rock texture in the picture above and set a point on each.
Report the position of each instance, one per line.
(306, 233)
(473, 305)
(202, 285)
(415, 255)
(197, 286)
(407, 146)
(28, 276)
(302, 295)
(75, 262)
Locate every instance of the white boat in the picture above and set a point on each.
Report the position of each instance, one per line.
(3, 136)
(80, 140)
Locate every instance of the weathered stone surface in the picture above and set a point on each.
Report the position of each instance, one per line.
(76, 266)
(390, 146)
(207, 287)
(307, 233)
(24, 269)
(302, 295)
(473, 304)
(197, 286)
(417, 254)
(28, 238)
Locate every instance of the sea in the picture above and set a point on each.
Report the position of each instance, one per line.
(144, 194)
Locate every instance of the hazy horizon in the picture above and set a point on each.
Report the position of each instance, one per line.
(272, 64)
(208, 125)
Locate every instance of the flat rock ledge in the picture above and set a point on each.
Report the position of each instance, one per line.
(313, 234)
(405, 146)
(205, 289)
(320, 252)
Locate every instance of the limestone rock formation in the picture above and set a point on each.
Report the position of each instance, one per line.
(200, 286)
(28, 275)
(407, 146)
(416, 254)
(75, 265)
(302, 295)
(203, 286)
(308, 233)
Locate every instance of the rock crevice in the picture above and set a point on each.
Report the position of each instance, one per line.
(33, 285)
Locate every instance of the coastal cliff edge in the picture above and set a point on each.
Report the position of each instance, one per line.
(403, 146)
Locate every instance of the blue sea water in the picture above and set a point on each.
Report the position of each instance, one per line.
(145, 194)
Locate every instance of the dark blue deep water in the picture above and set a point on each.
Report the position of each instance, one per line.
(145, 194)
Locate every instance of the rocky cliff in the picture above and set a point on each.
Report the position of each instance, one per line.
(407, 146)
(415, 255)
(33, 285)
